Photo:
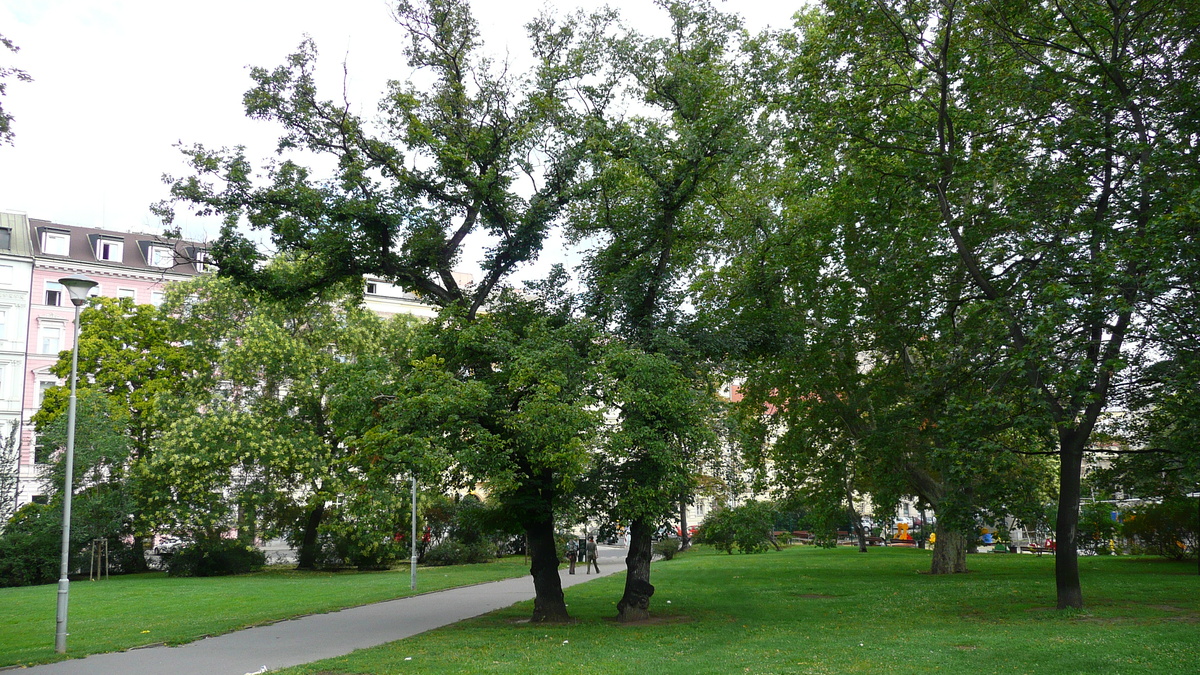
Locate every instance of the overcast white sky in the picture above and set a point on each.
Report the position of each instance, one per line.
(118, 82)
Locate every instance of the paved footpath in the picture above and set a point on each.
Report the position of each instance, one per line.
(320, 636)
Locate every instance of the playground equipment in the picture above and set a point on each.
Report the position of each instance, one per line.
(902, 538)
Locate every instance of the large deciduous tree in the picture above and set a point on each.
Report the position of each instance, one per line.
(129, 355)
(471, 154)
(514, 404)
(1052, 147)
(655, 177)
(659, 429)
(264, 447)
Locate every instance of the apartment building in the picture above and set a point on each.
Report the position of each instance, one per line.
(36, 314)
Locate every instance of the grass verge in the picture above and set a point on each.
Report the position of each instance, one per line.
(807, 610)
(139, 609)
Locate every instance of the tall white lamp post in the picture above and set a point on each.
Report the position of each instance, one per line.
(413, 584)
(77, 287)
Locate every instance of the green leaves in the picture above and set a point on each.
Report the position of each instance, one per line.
(403, 192)
(659, 432)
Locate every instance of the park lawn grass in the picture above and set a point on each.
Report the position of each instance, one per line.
(811, 610)
(140, 609)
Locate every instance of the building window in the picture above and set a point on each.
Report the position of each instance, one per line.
(372, 288)
(43, 388)
(54, 294)
(110, 249)
(127, 293)
(201, 260)
(7, 273)
(41, 454)
(156, 298)
(56, 243)
(3, 323)
(161, 256)
(50, 339)
(5, 238)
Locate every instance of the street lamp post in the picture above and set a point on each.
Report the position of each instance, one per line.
(413, 543)
(77, 287)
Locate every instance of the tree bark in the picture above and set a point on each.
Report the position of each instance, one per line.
(138, 560)
(862, 534)
(1066, 541)
(635, 603)
(949, 551)
(855, 520)
(684, 540)
(549, 604)
(307, 556)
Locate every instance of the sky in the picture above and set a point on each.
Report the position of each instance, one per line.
(118, 83)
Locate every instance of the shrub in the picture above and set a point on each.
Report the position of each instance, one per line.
(212, 558)
(747, 528)
(666, 547)
(31, 545)
(455, 552)
(363, 533)
(1167, 529)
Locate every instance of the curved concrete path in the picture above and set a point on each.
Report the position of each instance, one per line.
(321, 636)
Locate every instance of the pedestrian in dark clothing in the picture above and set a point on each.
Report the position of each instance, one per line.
(572, 554)
(591, 556)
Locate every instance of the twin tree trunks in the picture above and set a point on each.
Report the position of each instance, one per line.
(549, 604)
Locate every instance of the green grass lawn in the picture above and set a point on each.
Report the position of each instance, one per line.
(808, 610)
(139, 609)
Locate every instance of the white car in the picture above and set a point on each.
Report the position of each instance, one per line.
(167, 546)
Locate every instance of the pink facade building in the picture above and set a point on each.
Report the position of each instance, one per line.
(136, 266)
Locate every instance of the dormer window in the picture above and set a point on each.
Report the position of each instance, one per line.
(161, 256)
(110, 249)
(56, 243)
(5, 238)
(201, 260)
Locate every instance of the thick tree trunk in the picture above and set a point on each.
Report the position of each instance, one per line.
(1066, 552)
(862, 535)
(309, 548)
(855, 520)
(949, 552)
(635, 603)
(138, 559)
(549, 604)
(684, 540)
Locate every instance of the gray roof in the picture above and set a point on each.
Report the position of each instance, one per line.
(135, 250)
(18, 241)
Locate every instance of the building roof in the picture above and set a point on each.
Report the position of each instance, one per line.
(18, 234)
(137, 250)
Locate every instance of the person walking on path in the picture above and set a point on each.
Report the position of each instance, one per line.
(572, 554)
(591, 555)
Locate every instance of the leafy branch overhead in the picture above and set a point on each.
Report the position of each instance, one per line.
(441, 163)
(6, 132)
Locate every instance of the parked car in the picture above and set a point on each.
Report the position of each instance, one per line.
(168, 545)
